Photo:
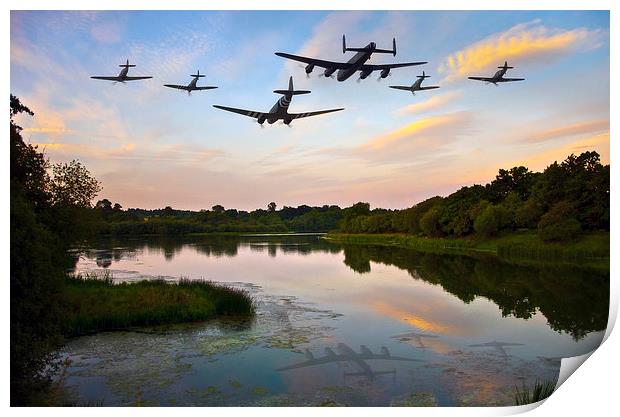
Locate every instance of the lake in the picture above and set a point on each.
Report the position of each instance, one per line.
(338, 324)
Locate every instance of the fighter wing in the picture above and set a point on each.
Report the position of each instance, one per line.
(401, 87)
(105, 78)
(312, 113)
(502, 80)
(379, 67)
(178, 87)
(313, 61)
(487, 79)
(136, 78)
(250, 113)
(430, 87)
(204, 88)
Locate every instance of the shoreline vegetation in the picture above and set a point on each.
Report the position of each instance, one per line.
(590, 249)
(95, 304)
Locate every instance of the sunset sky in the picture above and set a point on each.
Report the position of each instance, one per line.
(151, 146)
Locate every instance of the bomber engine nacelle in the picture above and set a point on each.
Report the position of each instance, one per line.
(365, 74)
(385, 73)
(261, 119)
(329, 71)
(309, 68)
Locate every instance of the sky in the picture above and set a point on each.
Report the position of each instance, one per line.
(151, 146)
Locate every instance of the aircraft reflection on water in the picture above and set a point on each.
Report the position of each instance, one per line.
(346, 354)
(498, 346)
(417, 337)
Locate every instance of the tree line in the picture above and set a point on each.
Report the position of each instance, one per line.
(559, 203)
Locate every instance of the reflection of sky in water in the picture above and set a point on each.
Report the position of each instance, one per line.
(311, 300)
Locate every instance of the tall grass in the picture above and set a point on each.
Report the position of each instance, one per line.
(406, 241)
(591, 248)
(98, 304)
(540, 391)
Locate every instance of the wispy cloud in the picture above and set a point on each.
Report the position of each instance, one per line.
(588, 127)
(433, 103)
(526, 42)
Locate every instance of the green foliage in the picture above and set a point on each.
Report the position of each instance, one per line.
(94, 304)
(527, 215)
(48, 214)
(73, 185)
(539, 392)
(516, 198)
(559, 224)
(491, 220)
(429, 223)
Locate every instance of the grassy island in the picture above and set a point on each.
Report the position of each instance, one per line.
(95, 304)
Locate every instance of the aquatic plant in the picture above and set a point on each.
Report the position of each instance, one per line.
(540, 391)
(98, 304)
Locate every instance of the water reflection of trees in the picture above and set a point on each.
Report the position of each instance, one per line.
(574, 300)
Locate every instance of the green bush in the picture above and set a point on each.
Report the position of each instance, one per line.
(559, 224)
(429, 223)
(491, 220)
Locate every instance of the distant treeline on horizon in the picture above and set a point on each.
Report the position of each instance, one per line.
(560, 203)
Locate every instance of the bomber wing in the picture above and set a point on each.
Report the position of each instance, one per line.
(502, 80)
(379, 67)
(317, 62)
(430, 87)
(208, 87)
(315, 361)
(312, 113)
(249, 113)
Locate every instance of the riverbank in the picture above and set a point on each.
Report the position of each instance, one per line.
(591, 249)
(98, 304)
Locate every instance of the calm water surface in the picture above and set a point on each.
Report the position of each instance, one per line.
(339, 325)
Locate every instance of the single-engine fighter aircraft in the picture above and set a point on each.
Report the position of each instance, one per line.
(356, 63)
(192, 84)
(498, 77)
(122, 76)
(346, 354)
(417, 85)
(279, 111)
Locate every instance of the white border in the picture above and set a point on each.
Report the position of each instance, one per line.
(591, 391)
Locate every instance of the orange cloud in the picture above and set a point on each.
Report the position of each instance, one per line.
(594, 126)
(524, 42)
(432, 103)
(417, 128)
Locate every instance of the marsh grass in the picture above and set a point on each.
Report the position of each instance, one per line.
(540, 391)
(96, 304)
(592, 248)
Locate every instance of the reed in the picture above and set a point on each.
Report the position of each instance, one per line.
(96, 304)
(540, 391)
